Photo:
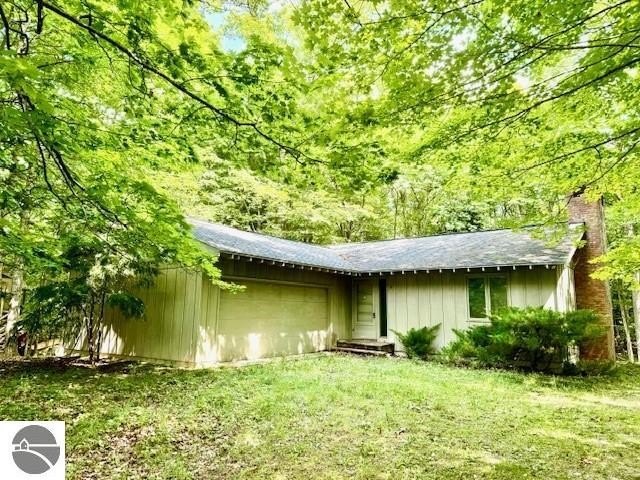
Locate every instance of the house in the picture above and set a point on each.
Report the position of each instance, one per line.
(301, 298)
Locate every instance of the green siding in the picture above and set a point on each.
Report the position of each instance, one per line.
(182, 312)
(171, 318)
(183, 309)
(418, 300)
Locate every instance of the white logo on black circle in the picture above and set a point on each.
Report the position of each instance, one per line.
(35, 449)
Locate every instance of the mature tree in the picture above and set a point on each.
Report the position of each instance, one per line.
(330, 120)
(527, 100)
(93, 97)
(361, 184)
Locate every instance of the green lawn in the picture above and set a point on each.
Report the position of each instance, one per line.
(333, 417)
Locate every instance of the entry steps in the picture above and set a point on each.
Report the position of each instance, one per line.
(365, 347)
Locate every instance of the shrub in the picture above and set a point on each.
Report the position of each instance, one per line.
(464, 350)
(530, 338)
(418, 342)
(593, 368)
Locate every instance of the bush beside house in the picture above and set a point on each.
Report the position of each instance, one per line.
(419, 342)
(533, 339)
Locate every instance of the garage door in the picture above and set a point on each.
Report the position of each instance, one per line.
(268, 319)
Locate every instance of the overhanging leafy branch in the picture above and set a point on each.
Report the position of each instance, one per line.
(147, 65)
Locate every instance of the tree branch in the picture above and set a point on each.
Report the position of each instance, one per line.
(462, 89)
(422, 13)
(525, 111)
(43, 161)
(618, 160)
(7, 28)
(40, 18)
(577, 151)
(146, 65)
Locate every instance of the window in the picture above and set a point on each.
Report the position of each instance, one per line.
(497, 293)
(487, 295)
(477, 298)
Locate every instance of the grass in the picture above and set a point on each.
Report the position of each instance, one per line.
(333, 417)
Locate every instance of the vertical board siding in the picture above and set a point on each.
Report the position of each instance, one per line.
(448, 307)
(419, 300)
(190, 312)
(549, 289)
(182, 320)
(401, 303)
(460, 286)
(436, 311)
(571, 289)
(518, 287)
(391, 309)
(166, 331)
(182, 312)
(423, 300)
(165, 315)
(532, 295)
(412, 299)
(203, 338)
(565, 290)
(272, 319)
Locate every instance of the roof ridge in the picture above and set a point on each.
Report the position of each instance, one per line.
(332, 246)
(445, 234)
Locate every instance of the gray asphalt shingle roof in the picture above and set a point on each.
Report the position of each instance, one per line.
(231, 240)
(459, 250)
(491, 248)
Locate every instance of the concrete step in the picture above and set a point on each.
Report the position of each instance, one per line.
(362, 351)
(371, 345)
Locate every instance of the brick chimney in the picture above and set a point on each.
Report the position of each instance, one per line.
(592, 294)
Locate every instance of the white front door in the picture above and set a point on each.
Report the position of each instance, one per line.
(365, 309)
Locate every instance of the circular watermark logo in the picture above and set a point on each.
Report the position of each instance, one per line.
(35, 449)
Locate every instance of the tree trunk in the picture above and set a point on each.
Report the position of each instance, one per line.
(15, 303)
(103, 296)
(395, 215)
(91, 337)
(625, 323)
(17, 288)
(636, 313)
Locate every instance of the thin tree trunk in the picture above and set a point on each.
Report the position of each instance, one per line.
(17, 286)
(90, 341)
(98, 344)
(395, 215)
(29, 348)
(15, 303)
(103, 297)
(625, 323)
(91, 338)
(636, 313)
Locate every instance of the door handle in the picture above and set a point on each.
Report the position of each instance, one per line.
(373, 315)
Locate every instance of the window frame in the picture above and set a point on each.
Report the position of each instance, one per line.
(487, 293)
